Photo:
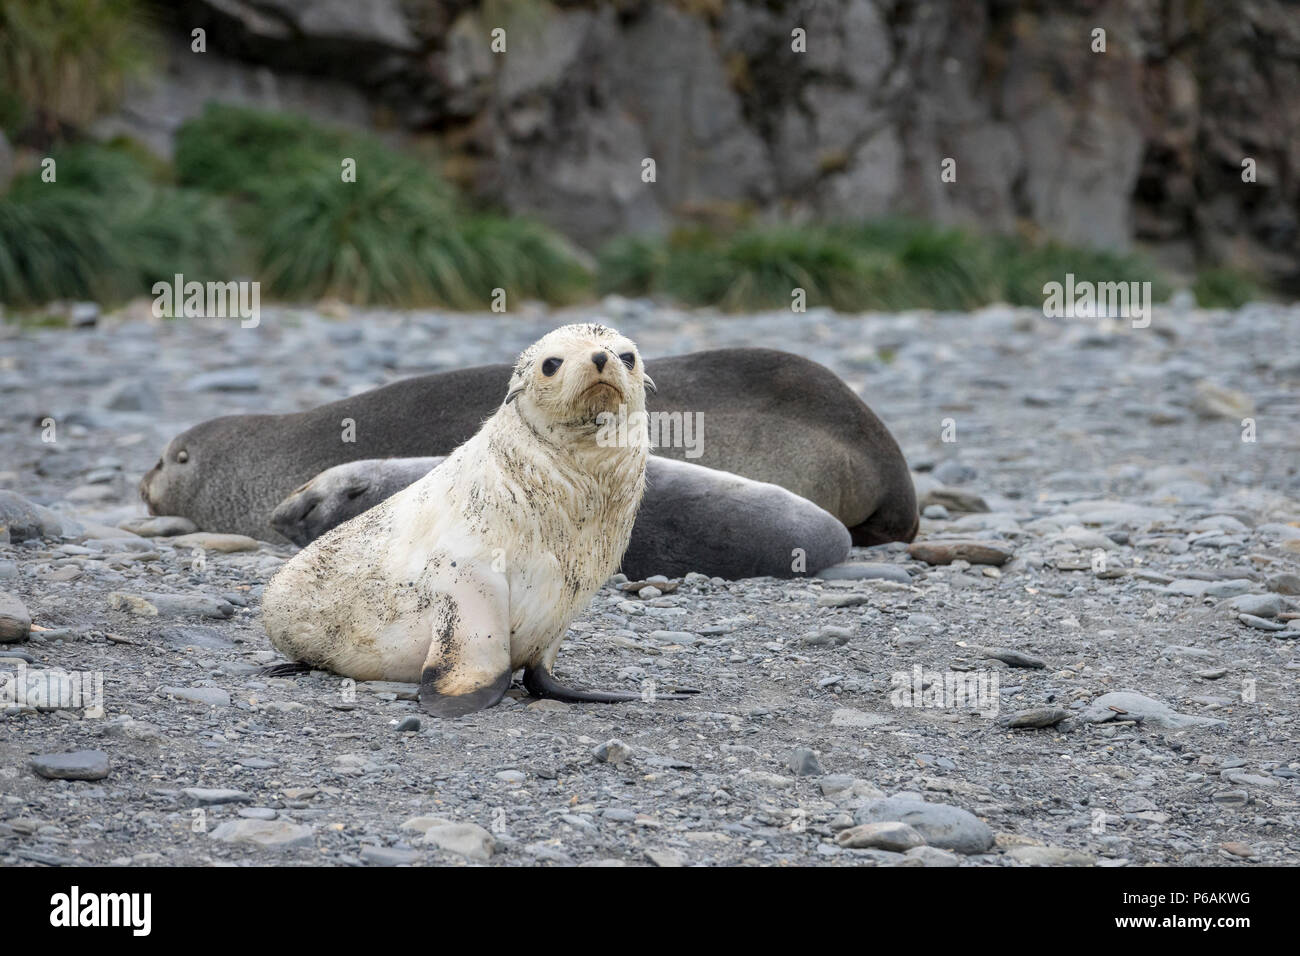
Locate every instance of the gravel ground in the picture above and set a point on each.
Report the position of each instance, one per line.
(1124, 614)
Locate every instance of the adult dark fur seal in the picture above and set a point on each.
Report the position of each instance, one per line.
(768, 415)
(691, 519)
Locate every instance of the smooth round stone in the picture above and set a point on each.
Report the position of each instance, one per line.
(865, 571)
(79, 765)
(258, 813)
(803, 763)
(941, 825)
(1260, 623)
(953, 472)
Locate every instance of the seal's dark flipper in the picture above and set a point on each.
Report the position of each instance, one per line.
(437, 704)
(285, 670)
(900, 524)
(468, 664)
(542, 683)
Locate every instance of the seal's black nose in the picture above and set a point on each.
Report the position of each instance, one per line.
(599, 359)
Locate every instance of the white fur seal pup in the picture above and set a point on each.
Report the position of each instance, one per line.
(478, 568)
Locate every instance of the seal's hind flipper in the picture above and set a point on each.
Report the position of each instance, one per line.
(287, 669)
(542, 683)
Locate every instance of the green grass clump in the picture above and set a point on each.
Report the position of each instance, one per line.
(66, 61)
(56, 248)
(527, 259)
(915, 264)
(1224, 288)
(106, 229)
(377, 241)
(631, 265)
(1026, 268)
(355, 241)
(266, 192)
(395, 236)
(886, 265)
(178, 230)
(244, 152)
(758, 268)
(753, 268)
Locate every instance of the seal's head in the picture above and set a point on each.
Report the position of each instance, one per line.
(575, 377)
(166, 487)
(195, 479)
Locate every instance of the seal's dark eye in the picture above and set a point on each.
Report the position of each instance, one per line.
(182, 456)
(551, 366)
(628, 359)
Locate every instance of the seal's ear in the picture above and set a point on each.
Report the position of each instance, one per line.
(649, 382)
(513, 395)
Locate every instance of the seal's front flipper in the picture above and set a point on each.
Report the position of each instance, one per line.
(435, 703)
(542, 683)
(468, 664)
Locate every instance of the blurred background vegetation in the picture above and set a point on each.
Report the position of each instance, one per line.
(258, 194)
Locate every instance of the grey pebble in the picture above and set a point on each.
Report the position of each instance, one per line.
(803, 763)
(78, 765)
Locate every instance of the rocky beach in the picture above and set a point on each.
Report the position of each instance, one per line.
(1089, 655)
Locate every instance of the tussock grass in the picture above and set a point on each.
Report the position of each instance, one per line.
(65, 61)
(262, 195)
(886, 265)
(397, 236)
(244, 152)
(1026, 268)
(1224, 288)
(525, 258)
(106, 229)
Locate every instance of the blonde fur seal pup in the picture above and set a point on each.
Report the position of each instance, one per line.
(477, 569)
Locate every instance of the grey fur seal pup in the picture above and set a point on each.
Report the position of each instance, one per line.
(768, 415)
(477, 569)
(691, 519)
